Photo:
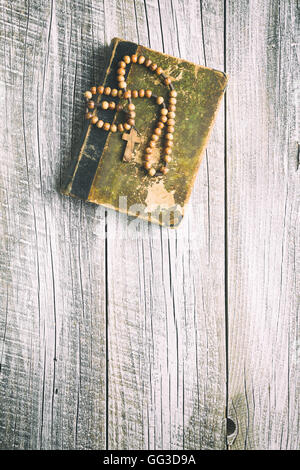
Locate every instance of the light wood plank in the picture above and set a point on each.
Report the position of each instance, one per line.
(263, 223)
(166, 324)
(166, 320)
(52, 289)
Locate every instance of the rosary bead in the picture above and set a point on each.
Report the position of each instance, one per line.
(104, 104)
(171, 115)
(94, 119)
(166, 114)
(88, 95)
(170, 122)
(152, 172)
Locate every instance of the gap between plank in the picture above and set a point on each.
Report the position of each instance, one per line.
(106, 335)
(226, 237)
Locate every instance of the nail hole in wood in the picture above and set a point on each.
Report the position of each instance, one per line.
(231, 427)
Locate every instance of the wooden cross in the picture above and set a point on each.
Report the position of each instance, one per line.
(132, 138)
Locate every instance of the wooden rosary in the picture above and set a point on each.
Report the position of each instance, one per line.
(167, 113)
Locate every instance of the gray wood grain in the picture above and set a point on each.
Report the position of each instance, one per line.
(115, 334)
(52, 249)
(263, 223)
(166, 332)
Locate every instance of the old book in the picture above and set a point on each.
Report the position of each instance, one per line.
(103, 173)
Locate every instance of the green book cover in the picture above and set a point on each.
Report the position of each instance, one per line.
(99, 174)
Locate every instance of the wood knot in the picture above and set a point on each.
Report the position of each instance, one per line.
(230, 427)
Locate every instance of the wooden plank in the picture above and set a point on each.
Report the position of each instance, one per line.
(166, 328)
(263, 223)
(52, 289)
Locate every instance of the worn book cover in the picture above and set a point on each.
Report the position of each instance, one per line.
(99, 173)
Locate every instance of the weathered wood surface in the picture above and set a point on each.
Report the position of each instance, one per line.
(263, 222)
(166, 340)
(119, 335)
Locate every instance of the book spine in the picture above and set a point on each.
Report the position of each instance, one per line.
(81, 175)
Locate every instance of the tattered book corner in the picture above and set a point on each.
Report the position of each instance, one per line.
(146, 130)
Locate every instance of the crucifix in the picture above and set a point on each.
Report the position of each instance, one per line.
(132, 138)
